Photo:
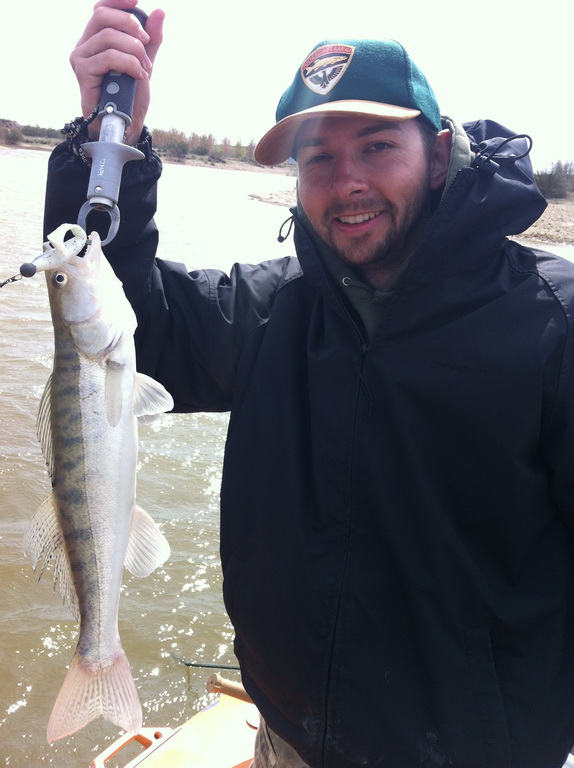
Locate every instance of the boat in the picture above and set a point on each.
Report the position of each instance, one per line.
(222, 735)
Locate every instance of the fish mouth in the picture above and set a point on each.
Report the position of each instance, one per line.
(359, 218)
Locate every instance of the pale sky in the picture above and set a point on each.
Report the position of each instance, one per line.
(224, 64)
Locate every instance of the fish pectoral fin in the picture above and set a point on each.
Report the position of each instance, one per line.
(89, 692)
(150, 397)
(114, 392)
(147, 546)
(43, 542)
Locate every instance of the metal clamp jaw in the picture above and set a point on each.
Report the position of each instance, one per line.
(109, 155)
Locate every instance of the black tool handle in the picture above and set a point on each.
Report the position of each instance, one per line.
(119, 90)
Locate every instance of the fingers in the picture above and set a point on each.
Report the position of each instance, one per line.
(113, 30)
(115, 40)
(110, 49)
(111, 13)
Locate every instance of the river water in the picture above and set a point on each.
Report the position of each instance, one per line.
(206, 219)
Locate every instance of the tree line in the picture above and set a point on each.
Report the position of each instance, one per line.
(174, 144)
(179, 146)
(557, 182)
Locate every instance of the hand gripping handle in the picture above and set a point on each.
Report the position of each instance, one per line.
(119, 90)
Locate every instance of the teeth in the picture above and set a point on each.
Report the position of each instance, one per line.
(358, 219)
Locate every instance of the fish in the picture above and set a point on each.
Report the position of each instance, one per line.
(90, 525)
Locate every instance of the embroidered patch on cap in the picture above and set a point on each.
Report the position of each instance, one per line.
(325, 66)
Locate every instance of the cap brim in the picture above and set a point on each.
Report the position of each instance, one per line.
(277, 144)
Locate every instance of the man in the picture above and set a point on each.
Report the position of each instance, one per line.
(398, 491)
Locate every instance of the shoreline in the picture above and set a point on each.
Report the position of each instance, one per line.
(555, 226)
(199, 161)
(289, 170)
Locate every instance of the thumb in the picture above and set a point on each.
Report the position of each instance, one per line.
(154, 28)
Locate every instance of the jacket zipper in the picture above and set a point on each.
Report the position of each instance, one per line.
(359, 362)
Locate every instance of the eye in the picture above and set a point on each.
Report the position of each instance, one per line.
(309, 158)
(59, 279)
(318, 158)
(378, 146)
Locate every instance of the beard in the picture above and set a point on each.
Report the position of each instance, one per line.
(394, 247)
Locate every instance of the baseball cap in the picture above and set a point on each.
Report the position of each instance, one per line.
(371, 78)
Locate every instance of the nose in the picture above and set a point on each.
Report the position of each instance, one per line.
(348, 178)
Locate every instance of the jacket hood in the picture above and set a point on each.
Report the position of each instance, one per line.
(498, 193)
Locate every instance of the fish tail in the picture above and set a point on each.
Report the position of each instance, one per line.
(88, 693)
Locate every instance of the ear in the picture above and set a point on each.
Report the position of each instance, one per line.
(440, 159)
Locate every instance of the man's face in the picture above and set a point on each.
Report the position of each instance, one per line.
(365, 186)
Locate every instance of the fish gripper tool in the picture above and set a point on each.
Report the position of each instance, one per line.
(109, 153)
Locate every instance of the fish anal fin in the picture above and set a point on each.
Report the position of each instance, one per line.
(88, 693)
(43, 542)
(147, 546)
(150, 397)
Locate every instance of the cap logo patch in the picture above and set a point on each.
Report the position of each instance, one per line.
(325, 66)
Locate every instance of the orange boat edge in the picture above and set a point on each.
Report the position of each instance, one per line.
(220, 736)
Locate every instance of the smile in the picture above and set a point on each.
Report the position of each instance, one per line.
(359, 218)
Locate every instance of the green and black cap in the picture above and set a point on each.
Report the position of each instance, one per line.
(371, 78)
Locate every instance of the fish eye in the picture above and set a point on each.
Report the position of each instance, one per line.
(59, 279)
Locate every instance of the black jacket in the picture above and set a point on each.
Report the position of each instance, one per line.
(397, 509)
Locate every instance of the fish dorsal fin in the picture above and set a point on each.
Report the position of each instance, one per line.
(150, 397)
(147, 546)
(44, 426)
(43, 542)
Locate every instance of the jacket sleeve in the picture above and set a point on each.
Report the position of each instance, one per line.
(192, 327)
(559, 457)
(557, 435)
(196, 329)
